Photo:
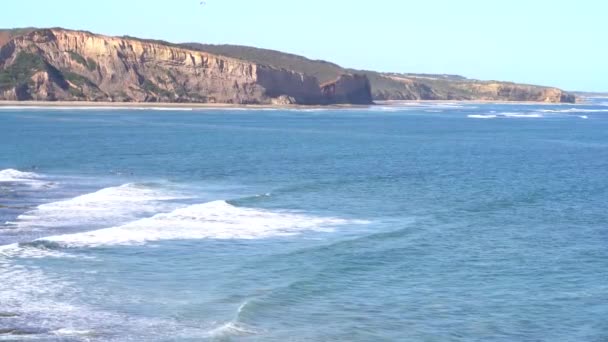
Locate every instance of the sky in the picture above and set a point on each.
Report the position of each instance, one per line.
(549, 42)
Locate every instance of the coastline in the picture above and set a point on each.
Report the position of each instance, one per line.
(187, 105)
(171, 105)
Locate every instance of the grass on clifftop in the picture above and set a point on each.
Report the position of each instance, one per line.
(322, 70)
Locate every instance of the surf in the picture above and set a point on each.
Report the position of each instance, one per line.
(105, 206)
(212, 220)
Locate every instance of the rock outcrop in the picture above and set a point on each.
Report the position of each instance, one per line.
(347, 88)
(58, 64)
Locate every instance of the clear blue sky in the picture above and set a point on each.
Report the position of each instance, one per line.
(551, 42)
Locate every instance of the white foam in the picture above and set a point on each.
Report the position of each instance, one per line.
(232, 329)
(10, 175)
(22, 286)
(213, 220)
(520, 115)
(71, 332)
(512, 115)
(170, 109)
(583, 117)
(56, 307)
(482, 116)
(389, 106)
(31, 252)
(30, 179)
(106, 206)
(574, 110)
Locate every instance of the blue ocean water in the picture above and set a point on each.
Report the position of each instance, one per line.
(412, 222)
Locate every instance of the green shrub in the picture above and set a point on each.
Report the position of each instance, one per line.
(88, 63)
(149, 86)
(23, 68)
(91, 64)
(77, 58)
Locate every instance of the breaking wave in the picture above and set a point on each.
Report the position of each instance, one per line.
(482, 116)
(213, 220)
(521, 115)
(574, 110)
(509, 115)
(12, 175)
(28, 179)
(106, 206)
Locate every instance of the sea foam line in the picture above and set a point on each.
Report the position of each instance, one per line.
(481, 116)
(106, 206)
(213, 220)
(573, 110)
(509, 115)
(30, 179)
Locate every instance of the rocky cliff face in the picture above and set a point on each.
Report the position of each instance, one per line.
(354, 89)
(431, 87)
(503, 91)
(406, 89)
(57, 64)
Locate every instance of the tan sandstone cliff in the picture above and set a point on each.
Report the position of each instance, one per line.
(347, 88)
(432, 87)
(58, 64)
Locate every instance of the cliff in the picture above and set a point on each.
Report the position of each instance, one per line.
(394, 86)
(354, 89)
(58, 64)
(440, 87)
(7, 34)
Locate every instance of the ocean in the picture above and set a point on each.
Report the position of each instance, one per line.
(403, 222)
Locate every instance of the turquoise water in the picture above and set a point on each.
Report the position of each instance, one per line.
(420, 222)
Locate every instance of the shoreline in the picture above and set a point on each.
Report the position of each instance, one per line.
(180, 105)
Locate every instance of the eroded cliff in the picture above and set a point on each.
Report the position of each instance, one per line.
(347, 88)
(394, 86)
(435, 87)
(58, 64)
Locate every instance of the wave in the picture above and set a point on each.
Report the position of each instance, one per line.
(510, 115)
(574, 110)
(33, 251)
(520, 115)
(30, 179)
(418, 106)
(232, 329)
(482, 116)
(106, 206)
(50, 307)
(213, 220)
(12, 175)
